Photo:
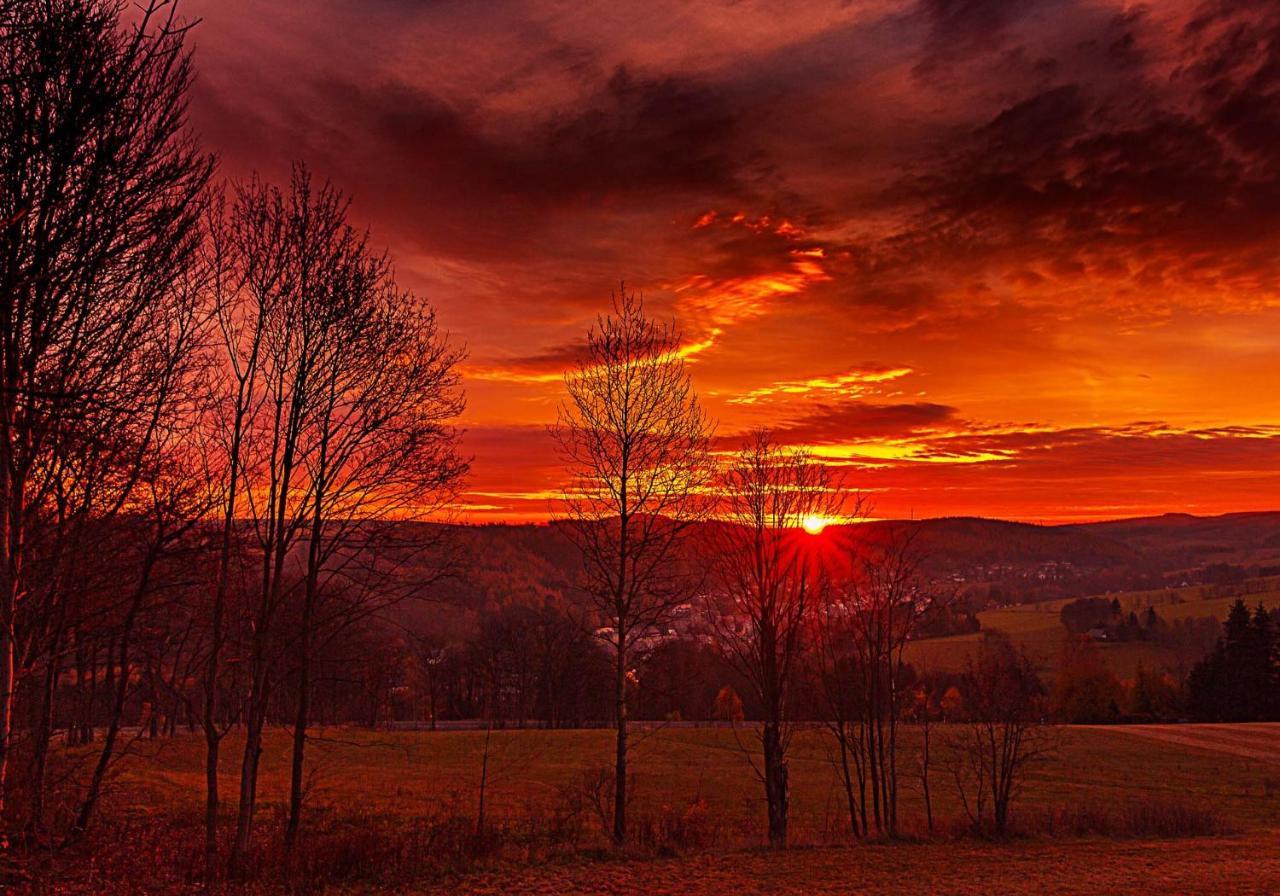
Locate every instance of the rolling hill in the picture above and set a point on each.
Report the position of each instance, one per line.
(1186, 540)
(504, 562)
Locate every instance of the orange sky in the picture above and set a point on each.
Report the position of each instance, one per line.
(1007, 259)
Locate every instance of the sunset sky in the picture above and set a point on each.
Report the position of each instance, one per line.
(1013, 259)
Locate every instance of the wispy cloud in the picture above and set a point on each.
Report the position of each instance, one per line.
(850, 383)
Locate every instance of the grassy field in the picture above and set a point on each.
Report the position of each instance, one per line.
(1037, 629)
(1237, 865)
(415, 773)
(396, 778)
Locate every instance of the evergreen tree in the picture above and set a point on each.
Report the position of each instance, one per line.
(1237, 682)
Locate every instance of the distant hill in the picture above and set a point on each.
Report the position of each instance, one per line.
(1181, 539)
(502, 563)
(958, 542)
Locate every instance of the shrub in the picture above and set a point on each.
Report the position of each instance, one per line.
(675, 829)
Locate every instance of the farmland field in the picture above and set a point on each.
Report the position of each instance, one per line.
(412, 773)
(1237, 865)
(1037, 629)
(396, 777)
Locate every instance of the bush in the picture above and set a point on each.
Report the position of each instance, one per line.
(675, 829)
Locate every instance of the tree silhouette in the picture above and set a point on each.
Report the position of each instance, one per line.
(1238, 680)
(635, 440)
(765, 572)
(869, 611)
(1005, 731)
(340, 394)
(100, 194)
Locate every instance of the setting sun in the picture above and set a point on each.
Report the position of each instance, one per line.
(814, 524)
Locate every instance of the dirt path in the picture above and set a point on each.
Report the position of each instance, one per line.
(1260, 740)
(1238, 865)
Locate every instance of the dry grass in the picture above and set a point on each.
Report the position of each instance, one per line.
(398, 808)
(1210, 866)
(1127, 818)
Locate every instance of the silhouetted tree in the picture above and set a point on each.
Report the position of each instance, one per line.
(635, 440)
(765, 574)
(341, 395)
(100, 194)
(865, 619)
(1238, 680)
(1005, 730)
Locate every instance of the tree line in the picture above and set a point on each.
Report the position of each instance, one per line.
(1219, 671)
(215, 403)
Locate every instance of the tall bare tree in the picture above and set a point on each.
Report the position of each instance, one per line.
(635, 440)
(338, 396)
(247, 259)
(382, 448)
(766, 569)
(100, 188)
(872, 605)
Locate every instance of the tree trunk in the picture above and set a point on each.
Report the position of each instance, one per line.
(121, 690)
(776, 785)
(300, 734)
(11, 498)
(7, 680)
(924, 776)
(847, 775)
(484, 777)
(249, 774)
(620, 762)
(109, 741)
(43, 735)
(212, 744)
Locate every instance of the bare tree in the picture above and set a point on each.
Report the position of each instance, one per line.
(865, 620)
(333, 419)
(635, 440)
(925, 711)
(340, 390)
(246, 253)
(100, 187)
(1006, 732)
(765, 572)
(383, 448)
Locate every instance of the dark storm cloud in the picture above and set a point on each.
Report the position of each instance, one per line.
(1076, 175)
(464, 179)
(1236, 65)
(641, 134)
(959, 28)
